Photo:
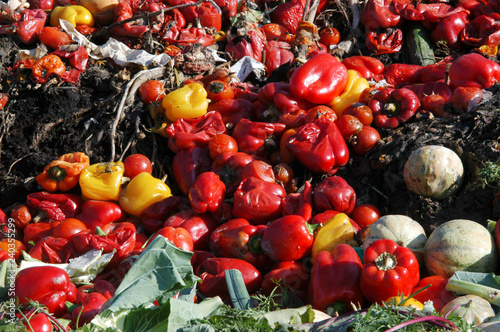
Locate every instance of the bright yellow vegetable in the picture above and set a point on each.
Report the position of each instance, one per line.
(102, 181)
(356, 84)
(187, 102)
(335, 231)
(142, 191)
(76, 15)
(407, 302)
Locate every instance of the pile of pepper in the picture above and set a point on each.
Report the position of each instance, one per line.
(240, 149)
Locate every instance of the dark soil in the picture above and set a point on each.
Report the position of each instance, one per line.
(42, 122)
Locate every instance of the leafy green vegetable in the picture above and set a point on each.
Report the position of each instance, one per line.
(485, 285)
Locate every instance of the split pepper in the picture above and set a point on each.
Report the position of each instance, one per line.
(334, 282)
(393, 107)
(64, 172)
(45, 205)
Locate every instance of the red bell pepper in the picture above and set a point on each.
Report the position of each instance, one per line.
(258, 138)
(215, 248)
(30, 25)
(334, 193)
(77, 56)
(251, 44)
(437, 292)
(232, 110)
(207, 193)
(229, 167)
(319, 80)
(53, 250)
(184, 133)
(398, 74)
(299, 203)
(448, 30)
(277, 54)
(123, 11)
(96, 213)
(334, 283)
(36, 231)
(154, 216)
(276, 103)
(178, 236)
(291, 276)
(188, 36)
(288, 14)
(199, 226)
(389, 270)
(379, 14)
(387, 41)
(367, 66)
(45, 205)
(393, 107)
(258, 201)
(465, 98)
(259, 169)
(188, 164)
(104, 288)
(483, 30)
(289, 238)
(242, 240)
(213, 280)
(90, 307)
(473, 70)
(42, 4)
(206, 13)
(48, 285)
(319, 146)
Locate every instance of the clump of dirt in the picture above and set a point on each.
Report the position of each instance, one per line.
(42, 122)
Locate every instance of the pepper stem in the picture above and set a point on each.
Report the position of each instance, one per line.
(391, 108)
(254, 244)
(386, 261)
(56, 173)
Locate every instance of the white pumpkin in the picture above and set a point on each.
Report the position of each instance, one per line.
(433, 171)
(472, 308)
(460, 245)
(401, 229)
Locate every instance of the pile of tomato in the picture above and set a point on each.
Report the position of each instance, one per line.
(254, 167)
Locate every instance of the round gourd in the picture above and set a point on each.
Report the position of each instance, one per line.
(433, 171)
(472, 308)
(401, 229)
(460, 244)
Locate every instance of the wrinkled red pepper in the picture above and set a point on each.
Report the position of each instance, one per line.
(388, 270)
(53, 250)
(77, 56)
(258, 201)
(123, 11)
(241, 240)
(393, 107)
(291, 275)
(229, 167)
(184, 133)
(334, 283)
(483, 30)
(188, 164)
(277, 54)
(213, 280)
(199, 226)
(250, 44)
(398, 74)
(258, 138)
(378, 14)
(30, 25)
(334, 193)
(299, 203)
(188, 36)
(89, 308)
(319, 146)
(319, 80)
(96, 213)
(154, 216)
(473, 70)
(232, 111)
(45, 205)
(288, 238)
(367, 66)
(449, 28)
(207, 192)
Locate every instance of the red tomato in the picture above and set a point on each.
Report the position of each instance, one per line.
(219, 90)
(178, 236)
(365, 214)
(68, 228)
(221, 143)
(151, 91)
(135, 164)
(12, 247)
(321, 111)
(348, 126)
(363, 112)
(21, 215)
(53, 37)
(329, 36)
(364, 140)
(39, 323)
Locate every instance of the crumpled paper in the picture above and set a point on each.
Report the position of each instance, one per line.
(245, 66)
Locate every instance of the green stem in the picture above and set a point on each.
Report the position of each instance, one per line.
(490, 294)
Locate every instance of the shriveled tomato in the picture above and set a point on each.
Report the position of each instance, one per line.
(68, 228)
(179, 236)
(349, 125)
(13, 247)
(329, 36)
(363, 112)
(21, 215)
(365, 214)
(151, 91)
(135, 164)
(321, 111)
(221, 143)
(364, 140)
(53, 37)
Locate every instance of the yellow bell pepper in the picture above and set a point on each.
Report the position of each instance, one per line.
(142, 191)
(404, 301)
(102, 181)
(76, 15)
(356, 84)
(335, 231)
(187, 102)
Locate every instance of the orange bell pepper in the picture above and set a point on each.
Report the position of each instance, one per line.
(63, 173)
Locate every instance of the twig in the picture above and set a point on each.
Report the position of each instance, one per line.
(128, 98)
